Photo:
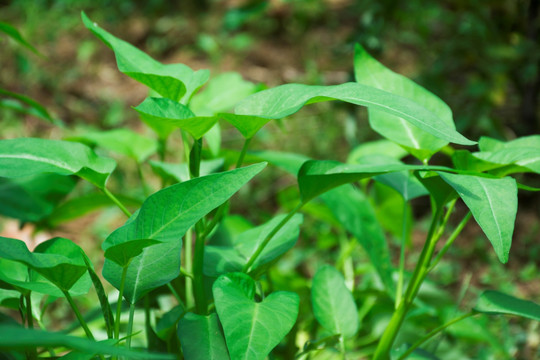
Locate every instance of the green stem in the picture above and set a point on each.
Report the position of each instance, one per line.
(162, 148)
(269, 237)
(175, 294)
(116, 201)
(119, 302)
(78, 315)
(29, 316)
(433, 333)
(399, 287)
(243, 153)
(189, 268)
(450, 240)
(198, 278)
(382, 352)
(144, 185)
(129, 332)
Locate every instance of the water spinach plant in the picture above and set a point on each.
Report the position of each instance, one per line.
(238, 293)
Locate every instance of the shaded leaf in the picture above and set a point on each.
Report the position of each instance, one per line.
(34, 108)
(497, 303)
(12, 32)
(30, 156)
(202, 338)
(333, 303)
(180, 172)
(121, 141)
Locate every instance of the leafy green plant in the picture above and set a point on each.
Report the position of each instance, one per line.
(232, 299)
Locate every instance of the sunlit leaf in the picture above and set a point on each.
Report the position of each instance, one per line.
(285, 100)
(493, 203)
(31, 156)
(252, 329)
(421, 142)
(173, 81)
(166, 216)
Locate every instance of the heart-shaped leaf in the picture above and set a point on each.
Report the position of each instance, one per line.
(285, 100)
(165, 115)
(174, 81)
(493, 203)
(333, 304)
(166, 216)
(252, 329)
(121, 141)
(30, 156)
(421, 143)
(497, 303)
(201, 337)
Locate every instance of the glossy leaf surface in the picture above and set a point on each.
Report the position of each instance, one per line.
(166, 216)
(493, 203)
(421, 143)
(285, 100)
(252, 329)
(333, 304)
(201, 337)
(31, 156)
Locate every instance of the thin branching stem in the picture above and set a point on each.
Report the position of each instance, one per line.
(115, 200)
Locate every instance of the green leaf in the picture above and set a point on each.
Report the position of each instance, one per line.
(174, 81)
(356, 214)
(221, 259)
(30, 156)
(202, 338)
(252, 329)
(35, 108)
(377, 147)
(221, 94)
(523, 152)
(165, 115)
(316, 177)
(12, 32)
(287, 99)
(493, 203)
(76, 207)
(124, 252)
(180, 172)
(246, 124)
(333, 304)
(167, 324)
(30, 199)
(16, 337)
(421, 142)
(497, 303)
(59, 260)
(121, 141)
(166, 216)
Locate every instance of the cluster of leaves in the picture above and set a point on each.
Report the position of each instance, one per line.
(183, 241)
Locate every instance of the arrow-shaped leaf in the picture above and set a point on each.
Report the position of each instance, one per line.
(285, 100)
(166, 216)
